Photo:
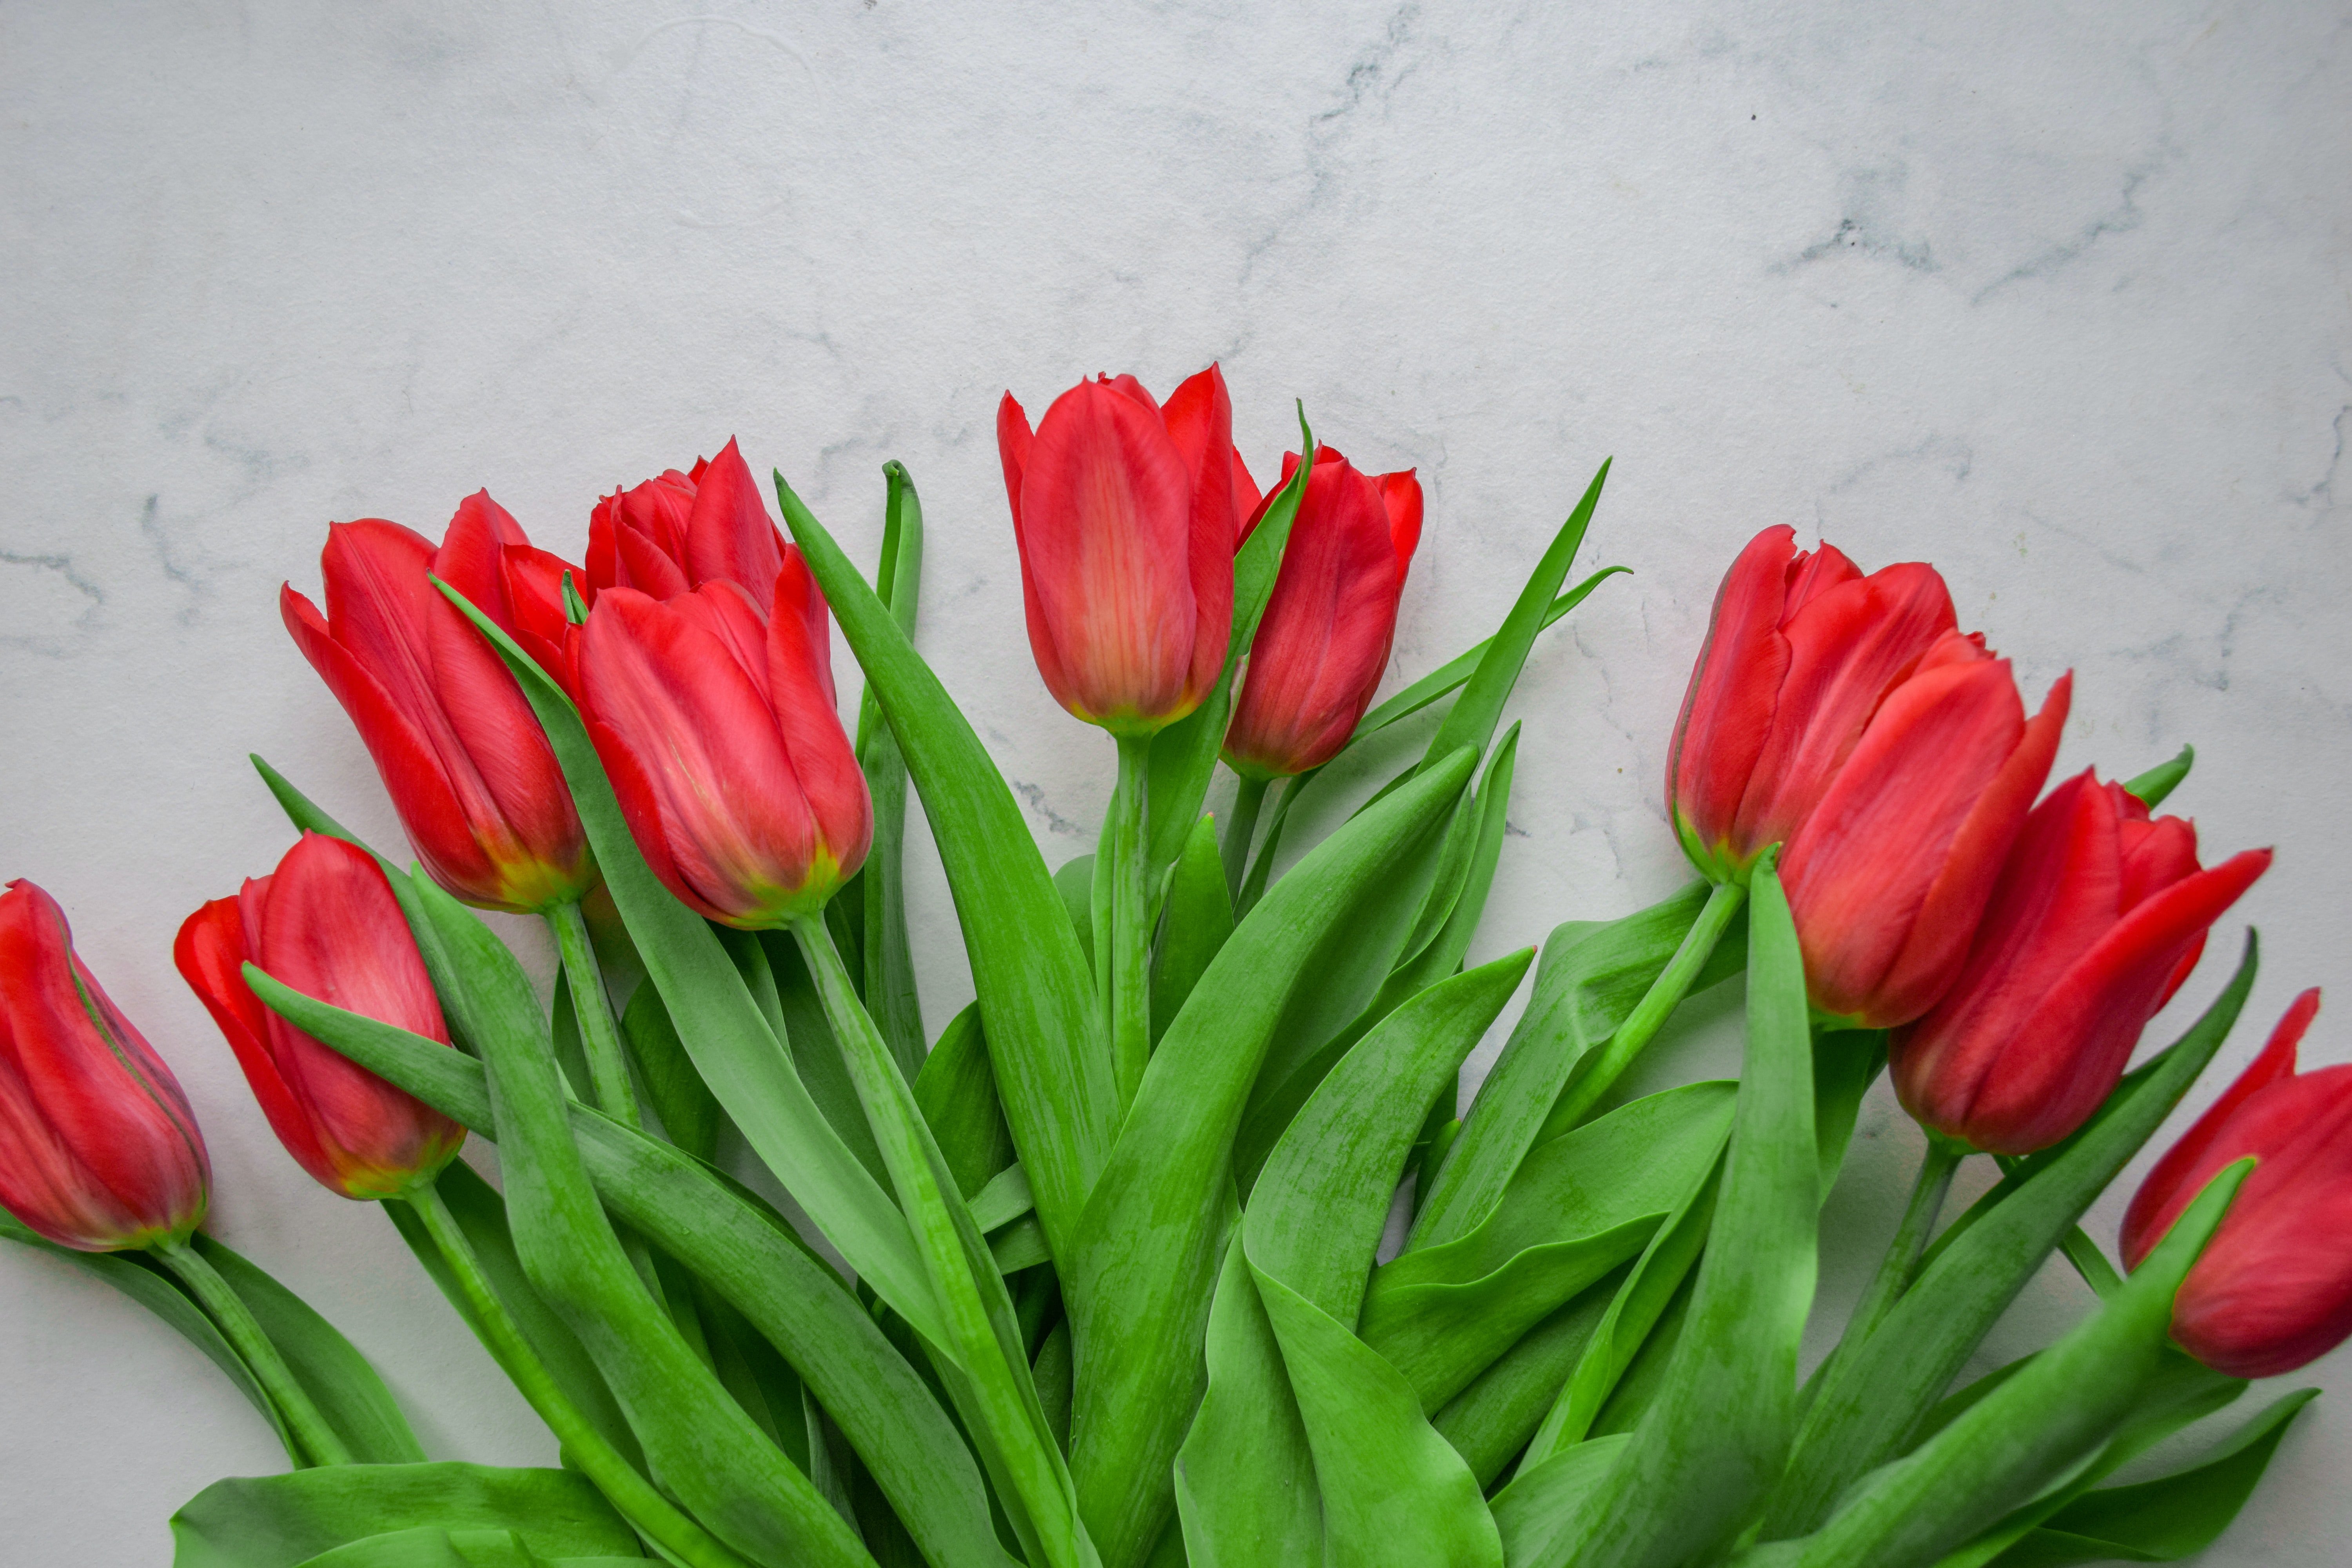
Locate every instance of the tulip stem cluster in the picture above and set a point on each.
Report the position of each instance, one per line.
(584, 1448)
(600, 1038)
(229, 1314)
(1656, 1006)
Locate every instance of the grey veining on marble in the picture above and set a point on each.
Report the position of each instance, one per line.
(2058, 296)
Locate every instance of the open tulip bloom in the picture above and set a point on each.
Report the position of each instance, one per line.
(1094, 1277)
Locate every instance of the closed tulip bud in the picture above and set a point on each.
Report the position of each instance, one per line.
(1125, 517)
(98, 1147)
(325, 924)
(718, 726)
(1801, 651)
(487, 557)
(2273, 1290)
(458, 748)
(1323, 643)
(2097, 918)
(675, 533)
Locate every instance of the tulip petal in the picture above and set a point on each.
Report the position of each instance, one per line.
(1859, 868)
(2163, 1194)
(730, 535)
(800, 665)
(1106, 524)
(1200, 420)
(1727, 713)
(698, 761)
(210, 952)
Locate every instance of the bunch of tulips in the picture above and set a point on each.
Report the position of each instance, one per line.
(1172, 1248)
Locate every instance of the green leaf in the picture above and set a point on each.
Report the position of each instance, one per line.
(957, 1092)
(1475, 714)
(1492, 1420)
(733, 1048)
(1589, 979)
(1036, 993)
(339, 1379)
(1878, 1391)
(1139, 1281)
(283, 1522)
(1442, 931)
(1718, 1431)
(1199, 917)
(1245, 1490)
(689, 1116)
(1317, 1212)
(748, 1254)
(1580, 1206)
(147, 1283)
(430, 1547)
(698, 1443)
(888, 972)
(1544, 1509)
(815, 1049)
(481, 1214)
(2058, 1409)
(1184, 754)
(2161, 780)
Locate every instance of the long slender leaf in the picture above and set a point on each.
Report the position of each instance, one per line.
(1718, 1430)
(283, 1522)
(335, 1375)
(745, 1251)
(888, 967)
(1139, 1283)
(733, 1048)
(1491, 1421)
(160, 1293)
(1199, 917)
(1877, 1393)
(1036, 994)
(957, 1090)
(698, 1443)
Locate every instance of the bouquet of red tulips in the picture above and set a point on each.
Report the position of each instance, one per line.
(1172, 1248)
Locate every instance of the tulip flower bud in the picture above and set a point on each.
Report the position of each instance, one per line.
(1125, 518)
(325, 924)
(717, 724)
(678, 532)
(1801, 651)
(98, 1148)
(2273, 1290)
(2097, 918)
(1323, 643)
(454, 739)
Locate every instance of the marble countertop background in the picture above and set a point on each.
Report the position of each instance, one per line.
(2054, 295)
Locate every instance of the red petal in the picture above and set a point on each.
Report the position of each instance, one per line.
(1199, 418)
(730, 535)
(800, 664)
(1734, 685)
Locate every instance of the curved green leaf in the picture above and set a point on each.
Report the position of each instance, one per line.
(746, 1252)
(1543, 1509)
(1036, 995)
(887, 965)
(957, 1092)
(1246, 1491)
(338, 1378)
(283, 1522)
(1140, 1282)
(1491, 1421)
(1199, 917)
(1878, 1391)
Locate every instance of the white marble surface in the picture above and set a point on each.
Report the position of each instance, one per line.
(2054, 295)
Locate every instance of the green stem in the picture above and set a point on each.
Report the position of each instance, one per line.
(1656, 1006)
(608, 1069)
(583, 1447)
(1253, 885)
(1902, 1260)
(1127, 974)
(270, 1368)
(1235, 846)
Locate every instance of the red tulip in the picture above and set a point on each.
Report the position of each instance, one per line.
(2273, 1290)
(718, 726)
(487, 557)
(1324, 640)
(1125, 517)
(680, 531)
(326, 924)
(98, 1147)
(1801, 651)
(2097, 918)
(468, 767)
(1890, 870)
